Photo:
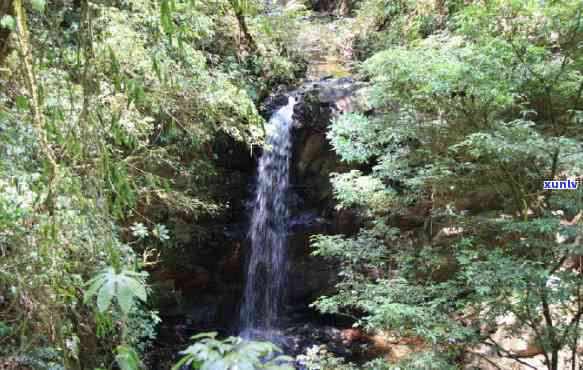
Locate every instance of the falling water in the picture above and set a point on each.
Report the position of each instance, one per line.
(268, 230)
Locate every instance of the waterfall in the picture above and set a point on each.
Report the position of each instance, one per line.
(268, 230)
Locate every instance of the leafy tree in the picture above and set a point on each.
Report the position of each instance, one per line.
(108, 111)
(461, 234)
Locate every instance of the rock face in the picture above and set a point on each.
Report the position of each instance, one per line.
(313, 162)
(201, 287)
(330, 6)
(320, 102)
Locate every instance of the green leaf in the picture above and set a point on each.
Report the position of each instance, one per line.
(125, 295)
(138, 289)
(105, 295)
(22, 102)
(9, 22)
(219, 364)
(93, 288)
(161, 232)
(211, 334)
(165, 18)
(124, 286)
(38, 5)
(127, 358)
(181, 363)
(230, 353)
(139, 230)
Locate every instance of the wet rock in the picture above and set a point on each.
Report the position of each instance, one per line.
(309, 152)
(273, 103)
(329, 6)
(197, 278)
(309, 278)
(203, 313)
(302, 337)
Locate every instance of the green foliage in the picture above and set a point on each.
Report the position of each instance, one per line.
(125, 286)
(233, 352)
(459, 232)
(38, 5)
(318, 358)
(131, 98)
(381, 24)
(8, 21)
(356, 138)
(141, 232)
(127, 358)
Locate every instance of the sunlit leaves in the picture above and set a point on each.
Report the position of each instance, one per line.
(355, 189)
(445, 74)
(468, 122)
(8, 21)
(166, 17)
(210, 353)
(22, 102)
(356, 138)
(161, 232)
(38, 5)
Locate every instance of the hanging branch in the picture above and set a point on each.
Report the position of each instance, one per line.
(38, 117)
(86, 43)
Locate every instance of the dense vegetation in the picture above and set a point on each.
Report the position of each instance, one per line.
(109, 110)
(474, 107)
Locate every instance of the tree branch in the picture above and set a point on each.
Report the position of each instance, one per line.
(35, 104)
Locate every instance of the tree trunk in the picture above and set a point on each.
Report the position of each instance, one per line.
(554, 360)
(244, 30)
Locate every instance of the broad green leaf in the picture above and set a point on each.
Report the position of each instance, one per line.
(94, 286)
(127, 358)
(137, 288)
(38, 5)
(124, 286)
(219, 364)
(8, 21)
(211, 334)
(105, 295)
(125, 295)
